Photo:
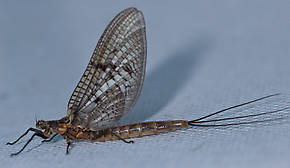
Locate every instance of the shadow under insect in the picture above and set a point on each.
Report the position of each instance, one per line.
(164, 82)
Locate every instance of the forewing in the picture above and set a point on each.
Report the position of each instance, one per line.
(113, 79)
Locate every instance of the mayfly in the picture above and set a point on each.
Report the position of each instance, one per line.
(110, 86)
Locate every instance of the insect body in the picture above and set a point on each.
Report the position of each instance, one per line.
(112, 133)
(110, 86)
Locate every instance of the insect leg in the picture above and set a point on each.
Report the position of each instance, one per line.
(120, 138)
(35, 134)
(48, 140)
(68, 144)
(30, 129)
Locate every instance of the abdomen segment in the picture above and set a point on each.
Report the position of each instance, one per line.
(137, 130)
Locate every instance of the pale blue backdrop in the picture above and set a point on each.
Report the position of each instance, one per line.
(203, 55)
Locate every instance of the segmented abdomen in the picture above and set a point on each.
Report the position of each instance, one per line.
(137, 130)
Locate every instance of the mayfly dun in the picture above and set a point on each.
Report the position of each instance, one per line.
(111, 85)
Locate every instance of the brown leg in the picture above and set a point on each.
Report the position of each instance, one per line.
(124, 140)
(68, 144)
(48, 140)
(29, 129)
(35, 134)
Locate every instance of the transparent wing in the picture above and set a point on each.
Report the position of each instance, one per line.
(113, 79)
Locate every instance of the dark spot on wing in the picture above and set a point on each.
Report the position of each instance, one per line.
(97, 100)
(128, 68)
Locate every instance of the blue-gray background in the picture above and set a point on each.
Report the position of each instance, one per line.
(202, 56)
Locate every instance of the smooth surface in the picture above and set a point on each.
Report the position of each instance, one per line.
(202, 56)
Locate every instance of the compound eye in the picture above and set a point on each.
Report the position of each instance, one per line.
(42, 125)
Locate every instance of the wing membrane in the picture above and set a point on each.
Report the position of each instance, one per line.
(113, 79)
